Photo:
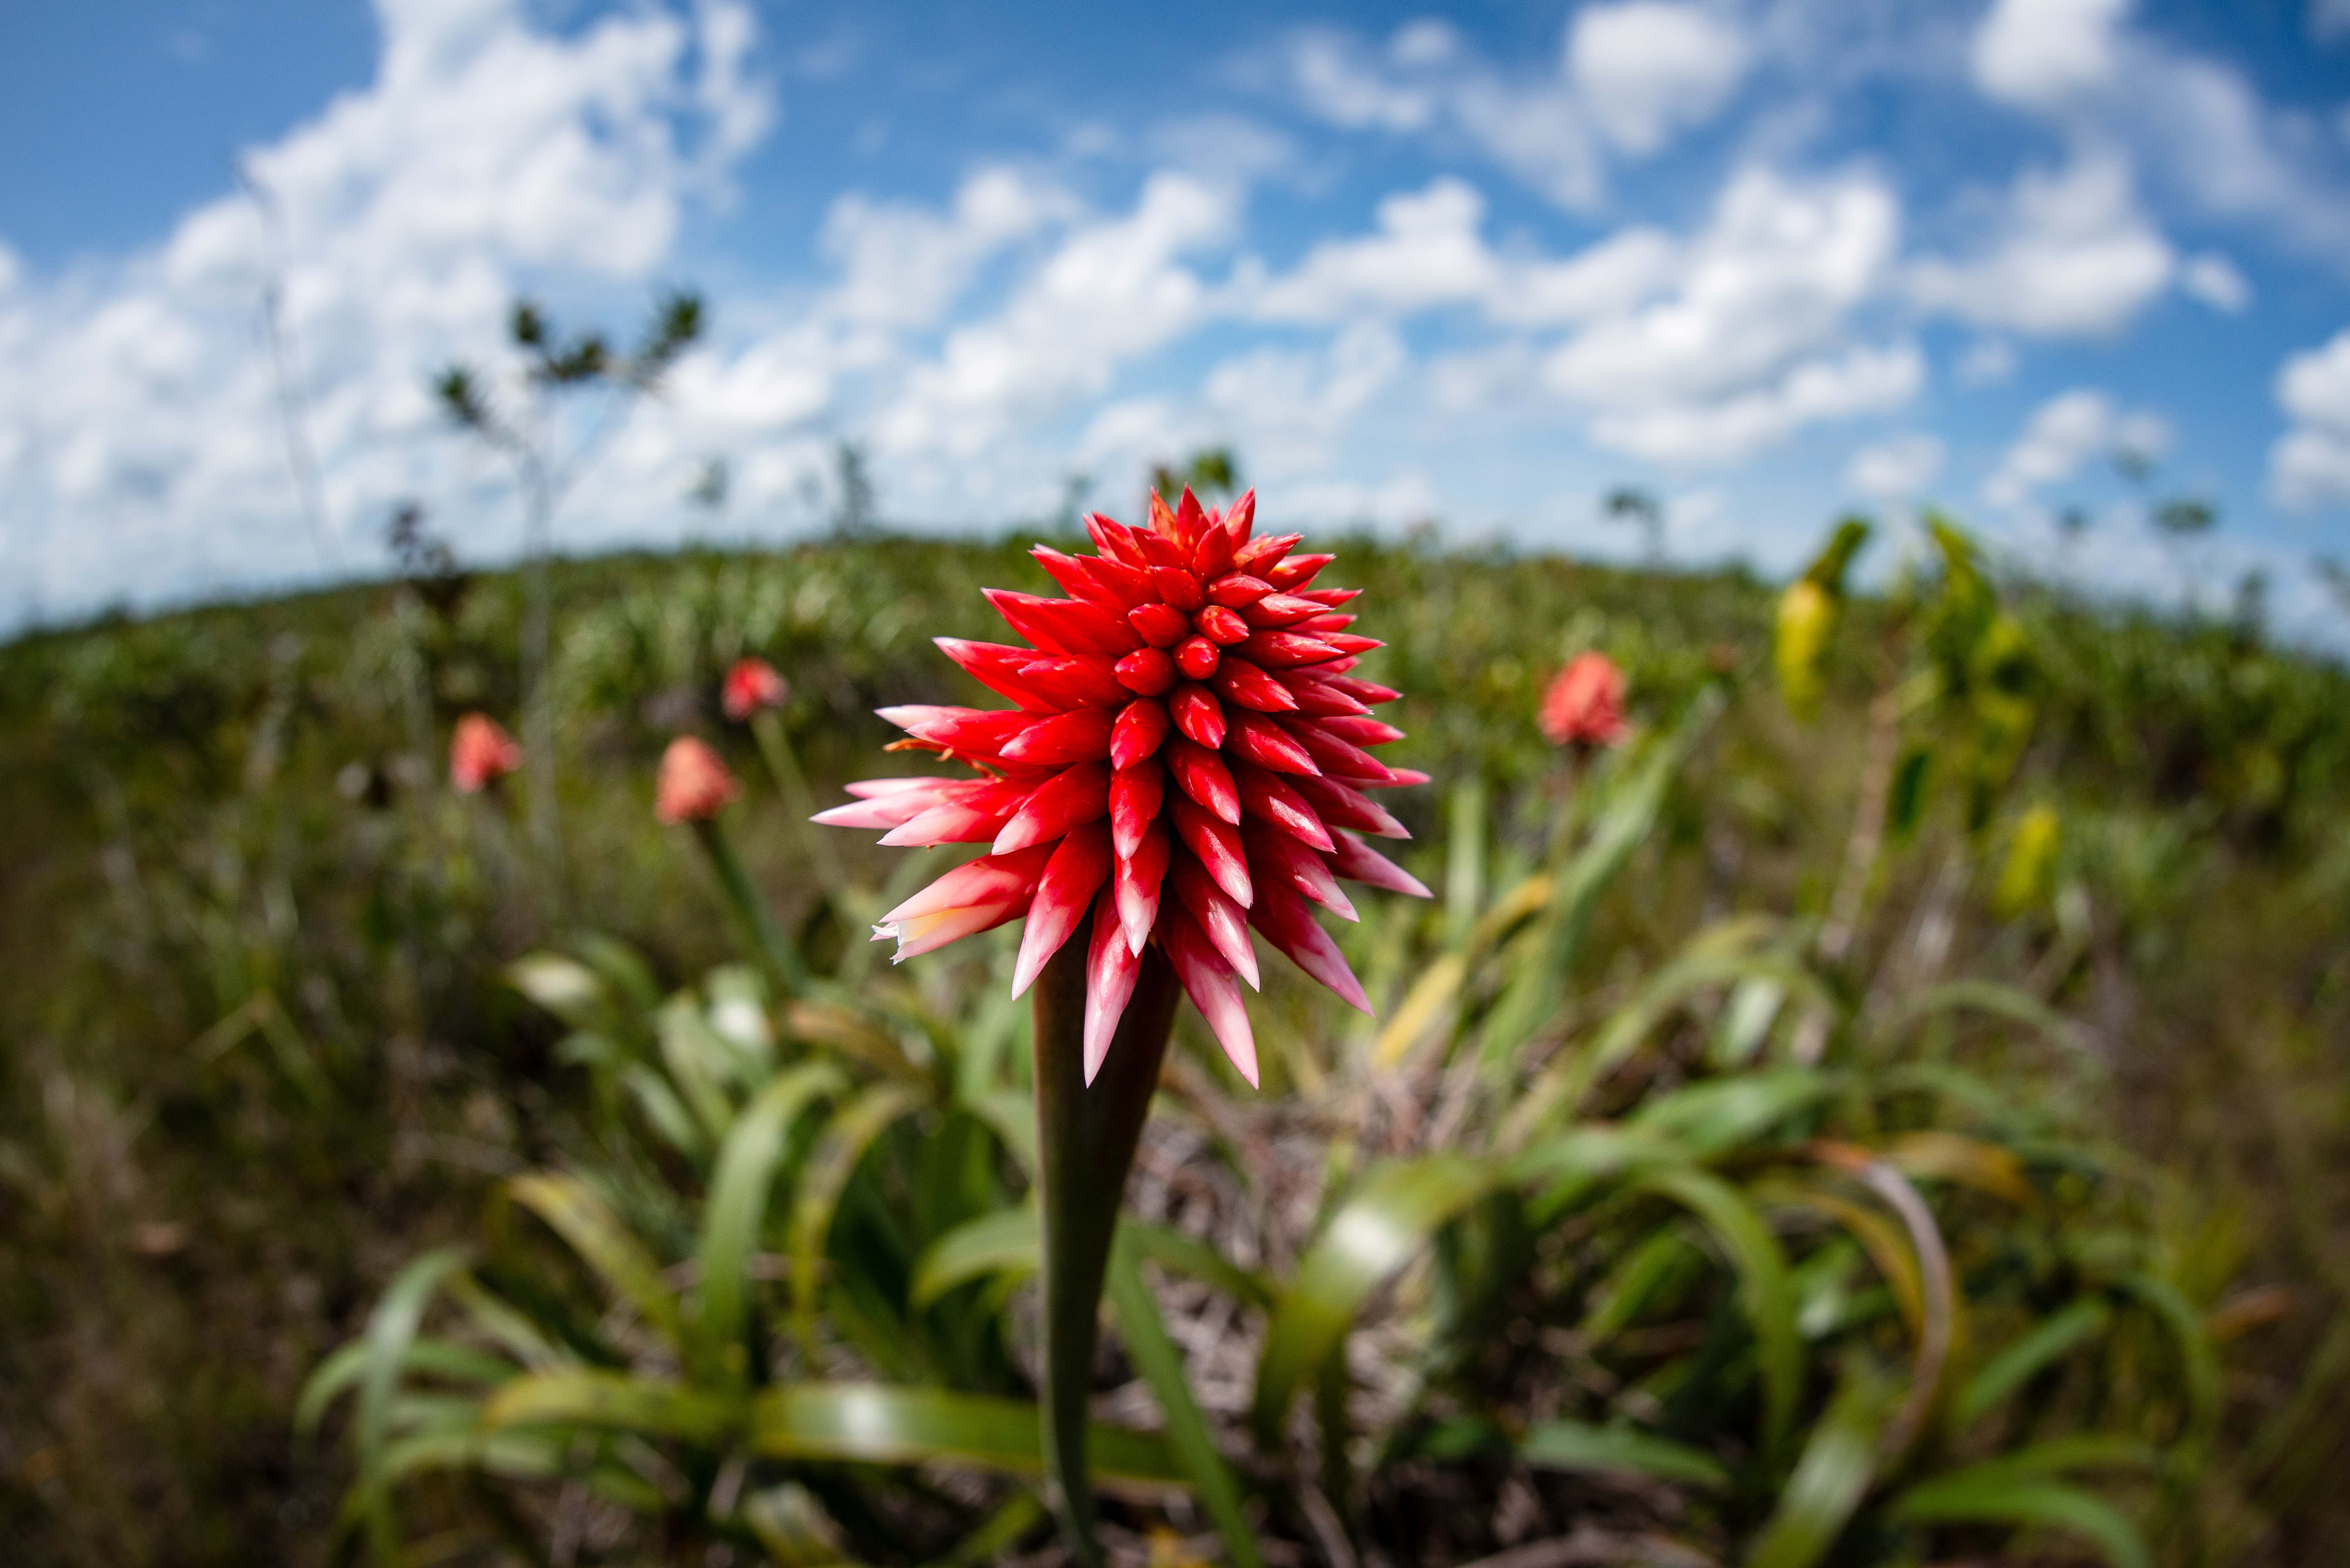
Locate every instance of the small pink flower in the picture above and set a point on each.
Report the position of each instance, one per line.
(1187, 758)
(1585, 705)
(480, 754)
(694, 784)
(753, 684)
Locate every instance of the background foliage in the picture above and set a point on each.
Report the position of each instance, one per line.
(265, 1050)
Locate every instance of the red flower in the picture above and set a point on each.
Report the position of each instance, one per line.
(1186, 757)
(480, 754)
(1585, 705)
(694, 784)
(750, 685)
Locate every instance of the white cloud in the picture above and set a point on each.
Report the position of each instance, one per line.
(2213, 279)
(1896, 470)
(2074, 258)
(2309, 467)
(2329, 20)
(1648, 69)
(905, 266)
(2041, 52)
(2066, 432)
(1987, 362)
(1748, 344)
(145, 455)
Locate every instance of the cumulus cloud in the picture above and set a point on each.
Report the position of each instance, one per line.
(2309, 467)
(2041, 52)
(2072, 257)
(1648, 68)
(1896, 470)
(2064, 434)
(144, 452)
(2213, 279)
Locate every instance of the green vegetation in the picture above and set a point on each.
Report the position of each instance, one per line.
(1910, 1134)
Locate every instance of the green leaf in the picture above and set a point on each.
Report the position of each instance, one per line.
(738, 1204)
(574, 1211)
(874, 1423)
(592, 1397)
(1005, 1242)
(842, 1144)
(1765, 1290)
(435, 1357)
(1981, 996)
(1831, 1477)
(1396, 1211)
(391, 1328)
(1617, 1450)
(1155, 1356)
(2199, 1357)
(1716, 1116)
(1992, 1494)
(2017, 1364)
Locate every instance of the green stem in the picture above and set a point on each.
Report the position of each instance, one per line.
(754, 925)
(1086, 1138)
(799, 801)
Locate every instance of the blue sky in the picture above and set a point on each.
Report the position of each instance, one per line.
(1767, 258)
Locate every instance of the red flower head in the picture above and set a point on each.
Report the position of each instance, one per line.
(1585, 705)
(1186, 757)
(480, 754)
(750, 685)
(694, 784)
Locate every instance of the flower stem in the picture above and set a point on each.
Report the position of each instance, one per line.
(1085, 1141)
(799, 802)
(754, 925)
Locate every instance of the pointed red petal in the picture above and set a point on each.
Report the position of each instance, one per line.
(1257, 556)
(1295, 571)
(1140, 725)
(1347, 642)
(1069, 797)
(1114, 540)
(1075, 580)
(1217, 843)
(1200, 773)
(1074, 681)
(1250, 687)
(1325, 623)
(1319, 696)
(1135, 884)
(1147, 671)
(1198, 714)
(1237, 590)
(1275, 854)
(1362, 730)
(1212, 555)
(1189, 519)
(1063, 625)
(1111, 967)
(1197, 657)
(1358, 862)
(1242, 518)
(1159, 550)
(1337, 758)
(1221, 921)
(1280, 609)
(1162, 517)
(1290, 925)
(1399, 778)
(1279, 650)
(1078, 735)
(1201, 972)
(1179, 587)
(1334, 598)
(972, 814)
(974, 731)
(990, 879)
(1159, 625)
(1264, 741)
(1361, 690)
(998, 668)
(1076, 870)
(1340, 806)
(1130, 586)
(889, 807)
(1222, 627)
(1135, 794)
(1268, 796)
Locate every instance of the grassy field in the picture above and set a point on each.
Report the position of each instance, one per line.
(260, 1047)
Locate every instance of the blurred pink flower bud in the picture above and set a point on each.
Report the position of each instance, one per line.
(1585, 705)
(480, 754)
(750, 685)
(694, 784)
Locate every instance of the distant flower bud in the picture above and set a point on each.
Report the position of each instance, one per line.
(694, 784)
(753, 684)
(480, 754)
(1585, 705)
